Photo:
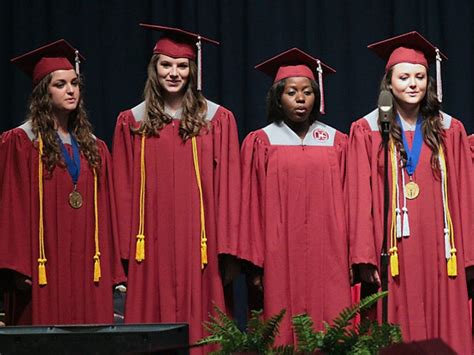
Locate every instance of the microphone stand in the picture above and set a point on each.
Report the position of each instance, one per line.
(384, 256)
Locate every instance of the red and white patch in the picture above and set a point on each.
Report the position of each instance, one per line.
(320, 134)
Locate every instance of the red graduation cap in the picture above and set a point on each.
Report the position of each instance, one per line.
(412, 48)
(178, 43)
(44, 60)
(295, 62)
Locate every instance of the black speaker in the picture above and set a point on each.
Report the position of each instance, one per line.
(428, 347)
(96, 339)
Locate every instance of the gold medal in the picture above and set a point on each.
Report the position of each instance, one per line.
(75, 199)
(412, 190)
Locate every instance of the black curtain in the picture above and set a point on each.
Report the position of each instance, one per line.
(337, 31)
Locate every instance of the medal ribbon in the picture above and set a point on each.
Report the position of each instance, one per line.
(413, 154)
(73, 165)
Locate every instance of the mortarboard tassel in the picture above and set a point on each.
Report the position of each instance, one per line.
(439, 85)
(140, 246)
(77, 61)
(199, 64)
(203, 237)
(321, 88)
(42, 280)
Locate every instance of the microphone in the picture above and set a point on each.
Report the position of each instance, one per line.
(385, 105)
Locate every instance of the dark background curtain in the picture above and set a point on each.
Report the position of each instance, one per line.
(337, 31)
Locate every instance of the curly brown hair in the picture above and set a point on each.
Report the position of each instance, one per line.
(40, 113)
(194, 105)
(432, 129)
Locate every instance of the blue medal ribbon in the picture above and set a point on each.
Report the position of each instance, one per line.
(73, 165)
(413, 154)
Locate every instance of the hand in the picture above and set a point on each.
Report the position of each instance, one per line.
(369, 274)
(257, 281)
(23, 283)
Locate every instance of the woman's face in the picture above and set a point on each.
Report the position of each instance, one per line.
(173, 74)
(408, 83)
(64, 91)
(297, 99)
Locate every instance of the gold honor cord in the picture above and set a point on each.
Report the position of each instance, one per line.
(42, 280)
(140, 244)
(97, 271)
(201, 202)
(393, 251)
(42, 255)
(448, 228)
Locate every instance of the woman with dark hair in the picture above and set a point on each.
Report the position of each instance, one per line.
(56, 214)
(429, 224)
(177, 175)
(293, 224)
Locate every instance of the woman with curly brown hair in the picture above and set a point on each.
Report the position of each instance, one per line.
(177, 176)
(55, 208)
(430, 230)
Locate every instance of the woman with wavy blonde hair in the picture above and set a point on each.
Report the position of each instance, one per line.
(177, 176)
(55, 207)
(430, 245)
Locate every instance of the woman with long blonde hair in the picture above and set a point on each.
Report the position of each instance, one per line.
(177, 181)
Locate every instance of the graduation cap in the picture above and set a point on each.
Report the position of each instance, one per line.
(177, 43)
(294, 62)
(412, 48)
(44, 60)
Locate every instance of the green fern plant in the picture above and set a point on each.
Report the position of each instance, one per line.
(339, 338)
(259, 336)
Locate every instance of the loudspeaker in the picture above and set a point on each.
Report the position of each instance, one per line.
(96, 339)
(429, 347)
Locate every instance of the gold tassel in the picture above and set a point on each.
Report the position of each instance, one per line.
(394, 262)
(42, 272)
(140, 252)
(203, 249)
(452, 264)
(97, 271)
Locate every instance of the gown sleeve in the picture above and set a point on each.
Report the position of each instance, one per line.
(252, 237)
(16, 186)
(122, 158)
(460, 168)
(226, 181)
(360, 195)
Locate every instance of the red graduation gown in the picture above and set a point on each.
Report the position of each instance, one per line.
(70, 296)
(169, 285)
(422, 299)
(293, 221)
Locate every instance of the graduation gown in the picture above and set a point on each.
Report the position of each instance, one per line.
(293, 221)
(169, 285)
(422, 299)
(70, 296)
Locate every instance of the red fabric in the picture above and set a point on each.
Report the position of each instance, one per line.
(422, 299)
(169, 285)
(406, 55)
(293, 225)
(70, 296)
(175, 49)
(48, 65)
(293, 70)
